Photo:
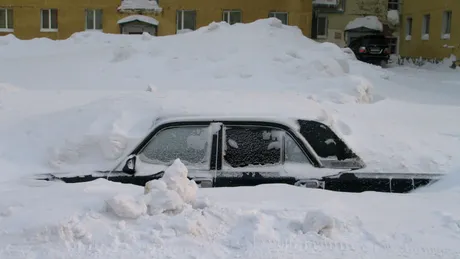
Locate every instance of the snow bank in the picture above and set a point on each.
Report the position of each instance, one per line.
(90, 114)
(370, 22)
(169, 194)
(252, 222)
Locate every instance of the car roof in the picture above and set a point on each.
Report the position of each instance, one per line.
(285, 120)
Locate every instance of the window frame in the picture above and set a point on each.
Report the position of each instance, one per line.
(49, 29)
(8, 27)
(229, 13)
(269, 126)
(393, 3)
(325, 29)
(151, 137)
(94, 14)
(446, 24)
(409, 27)
(182, 14)
(274, 13)
(426, 20)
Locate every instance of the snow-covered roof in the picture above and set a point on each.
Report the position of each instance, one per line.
(139, 5)
(369, 22)
(141, 18)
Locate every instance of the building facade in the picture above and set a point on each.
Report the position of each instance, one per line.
(59, 19)
(331, 18)
(428, 28)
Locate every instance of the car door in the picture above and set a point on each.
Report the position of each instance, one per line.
(250, 154)
(193, 143)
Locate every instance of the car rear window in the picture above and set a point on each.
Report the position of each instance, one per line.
(324, 141)
(375, 40)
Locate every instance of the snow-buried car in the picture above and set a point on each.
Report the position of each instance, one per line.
(224, 151)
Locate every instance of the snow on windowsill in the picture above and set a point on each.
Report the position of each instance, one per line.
(445, 36)
(6, 30)
(408, 37)
(48, 30)
(144, 5)
(425, 36)
(183, 31)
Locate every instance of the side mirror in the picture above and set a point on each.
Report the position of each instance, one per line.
(130, 165)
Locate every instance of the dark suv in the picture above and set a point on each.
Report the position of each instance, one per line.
(372, 49)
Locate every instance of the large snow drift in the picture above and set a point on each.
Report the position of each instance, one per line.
(272, 69)
(86, 101)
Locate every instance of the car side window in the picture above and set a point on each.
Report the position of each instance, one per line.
(191, 144)
(251, 145)
(324, 141)
(292, 152)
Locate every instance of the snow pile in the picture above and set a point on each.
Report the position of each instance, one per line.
(139, 5)
(170, 194)
(270, 221)
(126, 206)
(393, 17)
(318, 222)
(369, 22)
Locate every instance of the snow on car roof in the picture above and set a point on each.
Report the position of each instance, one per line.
(289, 121)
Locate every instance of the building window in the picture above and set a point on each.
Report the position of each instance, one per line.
(446, 24)
(321, 26)
(282, 16)
(231, 16)
(426, 27)
(6, 20)
(186, 20)
(393, 5)
(49, 21)
(393, 44)
(94, 19)
(408, 28)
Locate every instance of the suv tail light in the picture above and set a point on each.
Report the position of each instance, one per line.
(362, 49)
(386, 51)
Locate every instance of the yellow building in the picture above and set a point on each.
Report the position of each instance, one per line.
(59, 19)
(428, 28)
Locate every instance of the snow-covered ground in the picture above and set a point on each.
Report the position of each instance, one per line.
(82, 103)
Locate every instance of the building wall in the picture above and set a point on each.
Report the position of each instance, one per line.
(432, 48)
(71, 14)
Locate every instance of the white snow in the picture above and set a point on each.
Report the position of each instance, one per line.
(445, 36)
(139, 5)
(369, 22)
(78, 105)
(425, 36)
(141, 18)
(393, 17)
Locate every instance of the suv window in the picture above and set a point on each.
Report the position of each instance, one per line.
(191, 144)
(251, 145)
(324, 141)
